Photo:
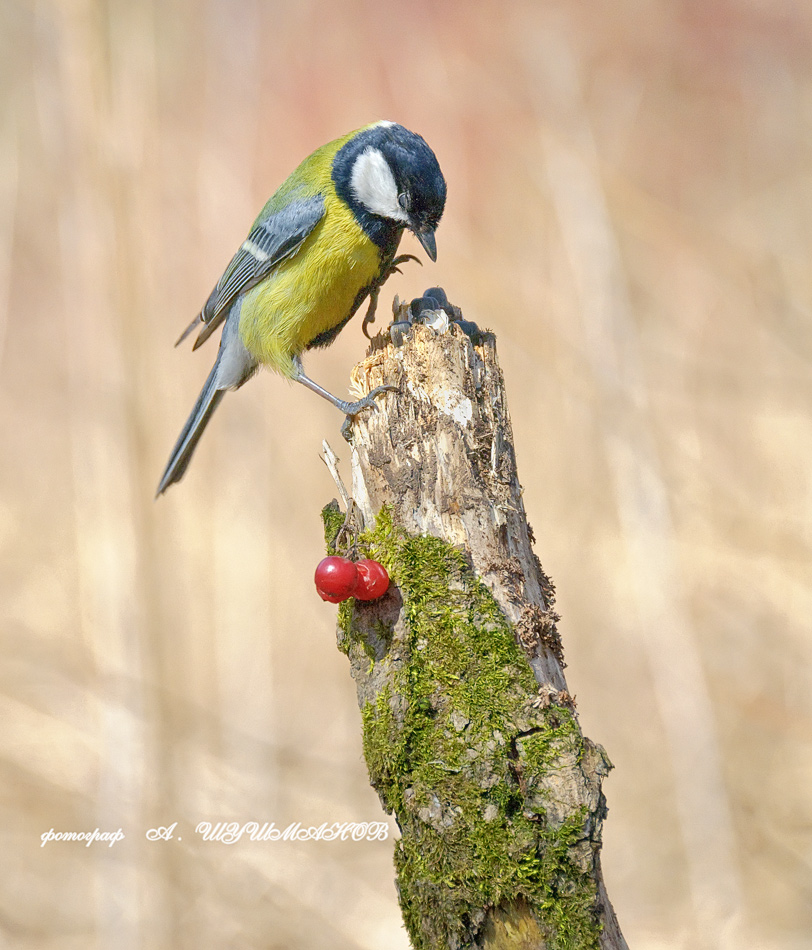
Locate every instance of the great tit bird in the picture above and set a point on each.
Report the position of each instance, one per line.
(322, 244)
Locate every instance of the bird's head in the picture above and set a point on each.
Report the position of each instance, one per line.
(392, 173)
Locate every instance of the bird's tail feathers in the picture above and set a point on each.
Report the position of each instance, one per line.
(207, 402)
(190, 329)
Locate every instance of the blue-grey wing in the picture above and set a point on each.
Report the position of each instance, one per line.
(271, 241)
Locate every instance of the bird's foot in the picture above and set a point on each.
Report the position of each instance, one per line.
(394, 267)
(369, 316)
(366, 402)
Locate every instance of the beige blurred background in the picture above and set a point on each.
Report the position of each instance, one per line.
(630, 209)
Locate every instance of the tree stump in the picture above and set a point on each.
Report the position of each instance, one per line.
(470, 734)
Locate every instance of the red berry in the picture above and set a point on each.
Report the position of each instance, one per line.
(336, 578)
(373, 581)
(331, 598)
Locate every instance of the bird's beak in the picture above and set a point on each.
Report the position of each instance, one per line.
(426, 238)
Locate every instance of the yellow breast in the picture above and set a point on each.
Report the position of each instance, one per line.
(312, 292)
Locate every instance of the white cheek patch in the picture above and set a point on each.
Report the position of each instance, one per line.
(373, 184)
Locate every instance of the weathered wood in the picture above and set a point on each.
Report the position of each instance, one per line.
(495, 789)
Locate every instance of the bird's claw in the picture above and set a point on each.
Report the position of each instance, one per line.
(368, 401)
(394, 267)
(369, 316)
(406, 257)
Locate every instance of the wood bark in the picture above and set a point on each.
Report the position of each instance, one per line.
(439, 457)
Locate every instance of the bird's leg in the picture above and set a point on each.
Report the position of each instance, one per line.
(393, 268)
(349, 408)
(369, 316)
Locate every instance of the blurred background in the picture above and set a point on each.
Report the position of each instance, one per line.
(630, 210)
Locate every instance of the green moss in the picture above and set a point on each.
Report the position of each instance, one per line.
(333, 519)
(344, 622)
(457, 750)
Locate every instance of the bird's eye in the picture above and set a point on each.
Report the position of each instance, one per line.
(405, 201)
